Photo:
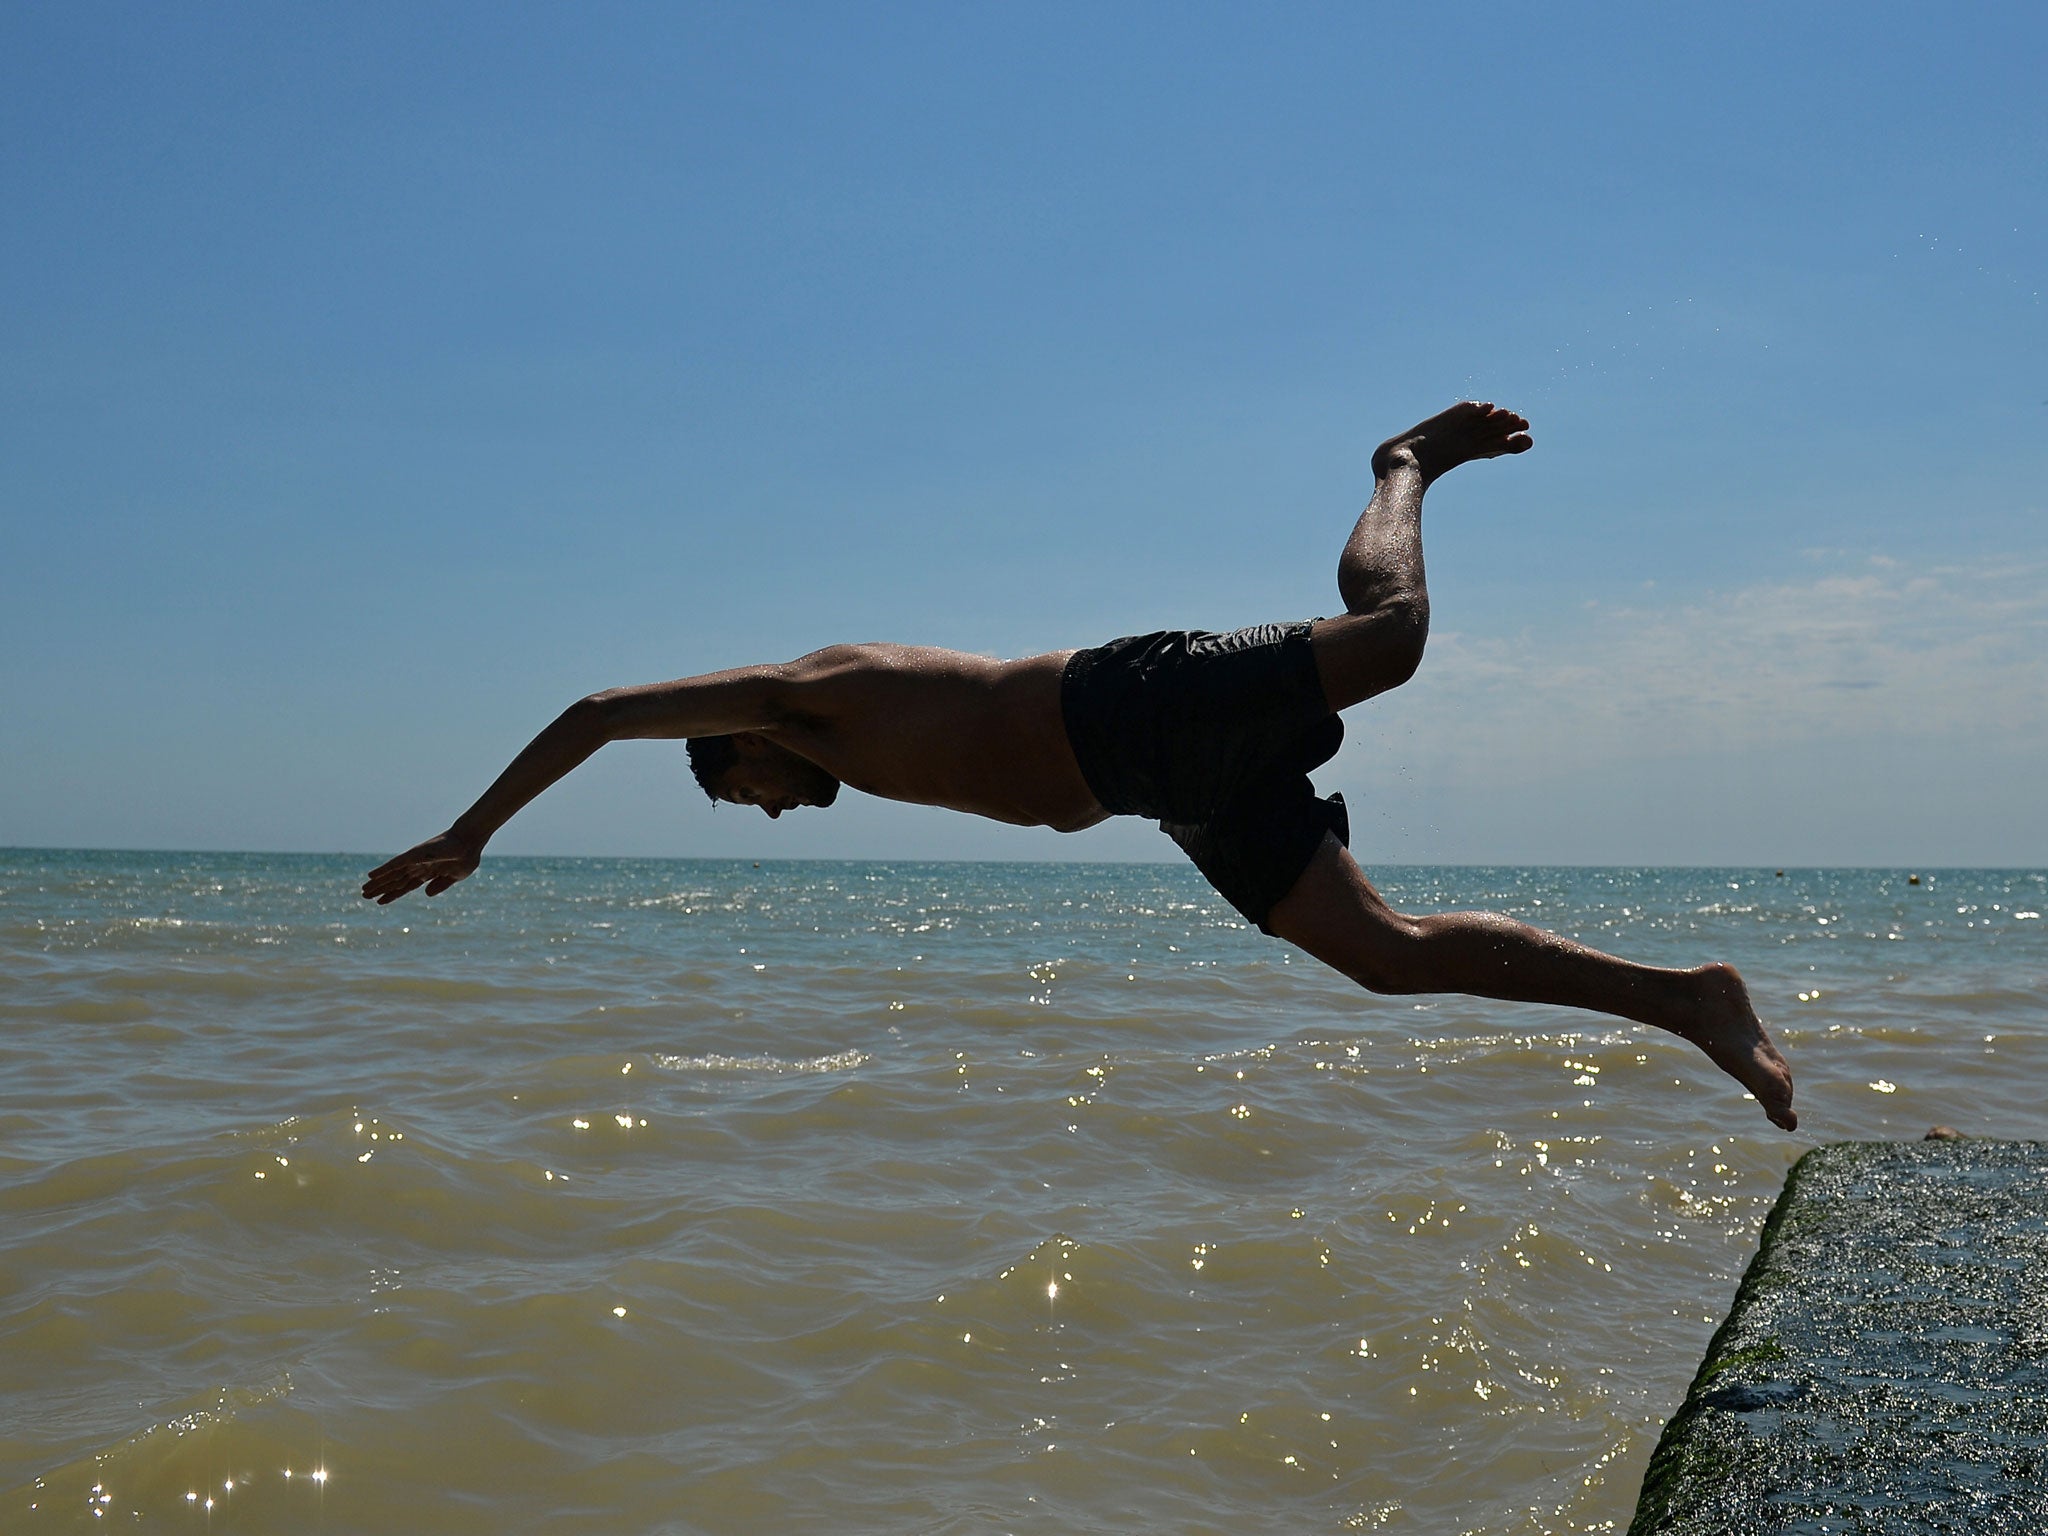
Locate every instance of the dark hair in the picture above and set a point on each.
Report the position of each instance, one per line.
(710, 756)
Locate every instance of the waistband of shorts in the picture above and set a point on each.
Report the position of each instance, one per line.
(1081, 733)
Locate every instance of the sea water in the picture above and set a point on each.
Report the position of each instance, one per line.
(651, 1196)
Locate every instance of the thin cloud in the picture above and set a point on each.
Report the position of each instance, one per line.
(1876, 648)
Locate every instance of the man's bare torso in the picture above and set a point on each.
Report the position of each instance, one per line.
(937, 727)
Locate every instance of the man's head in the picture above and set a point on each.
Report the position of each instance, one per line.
(747, 769)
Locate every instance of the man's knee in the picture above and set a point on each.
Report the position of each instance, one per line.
(1388, 963)
(1366, 653)
(1396, 633)
(1407, 635)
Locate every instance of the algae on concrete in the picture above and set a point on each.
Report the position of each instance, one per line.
(1884, 1369)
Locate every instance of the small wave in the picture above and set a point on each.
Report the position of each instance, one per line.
(837, 1061)
(95, 1010)
(171, 1468)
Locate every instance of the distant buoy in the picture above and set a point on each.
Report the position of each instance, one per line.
(1912, 879)
(1781, 874)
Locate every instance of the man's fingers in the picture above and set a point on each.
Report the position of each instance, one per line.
(385, 886)
(437, 864)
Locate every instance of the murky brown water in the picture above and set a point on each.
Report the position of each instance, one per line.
(695, 1197)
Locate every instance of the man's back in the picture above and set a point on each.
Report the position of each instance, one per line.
(938, 727)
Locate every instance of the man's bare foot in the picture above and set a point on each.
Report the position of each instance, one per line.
(1471, 429)
(1726, 1027)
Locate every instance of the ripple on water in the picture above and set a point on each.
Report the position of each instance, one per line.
(835, 1061)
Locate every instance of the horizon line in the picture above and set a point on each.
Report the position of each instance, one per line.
(690, 858)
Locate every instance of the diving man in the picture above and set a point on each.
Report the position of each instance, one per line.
(1211, 735)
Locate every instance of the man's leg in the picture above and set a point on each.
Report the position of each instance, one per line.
(1377, 643)
(1334, 914)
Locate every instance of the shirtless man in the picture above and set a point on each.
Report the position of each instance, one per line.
(1211, 735)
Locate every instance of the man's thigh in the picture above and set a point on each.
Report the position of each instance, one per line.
(1334, 913)
(1254, 848)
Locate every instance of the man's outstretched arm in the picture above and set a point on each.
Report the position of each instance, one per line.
(745, 699)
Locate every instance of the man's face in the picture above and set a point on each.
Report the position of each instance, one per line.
(776, 780)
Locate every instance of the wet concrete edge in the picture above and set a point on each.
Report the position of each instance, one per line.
(1884, 1366)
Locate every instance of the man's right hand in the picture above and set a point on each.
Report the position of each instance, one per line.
(437, 864)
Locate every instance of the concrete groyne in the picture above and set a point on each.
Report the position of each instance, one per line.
(1885, 1366)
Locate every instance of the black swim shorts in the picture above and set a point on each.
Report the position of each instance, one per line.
(1213, 737)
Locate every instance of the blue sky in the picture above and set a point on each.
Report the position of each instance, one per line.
(377, 380)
